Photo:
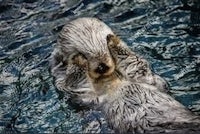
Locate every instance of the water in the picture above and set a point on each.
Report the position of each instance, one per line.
(158, 30)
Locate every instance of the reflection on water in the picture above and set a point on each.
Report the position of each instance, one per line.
(163, 31)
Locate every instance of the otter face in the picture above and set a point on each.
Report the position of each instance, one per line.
(100, 66)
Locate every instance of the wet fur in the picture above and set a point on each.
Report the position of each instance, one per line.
(142, 108)
(132, 66)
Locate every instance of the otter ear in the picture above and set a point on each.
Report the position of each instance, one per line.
(112, 39)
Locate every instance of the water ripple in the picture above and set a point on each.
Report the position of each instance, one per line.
(160, 31)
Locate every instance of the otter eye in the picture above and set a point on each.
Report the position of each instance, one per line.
(102, 68)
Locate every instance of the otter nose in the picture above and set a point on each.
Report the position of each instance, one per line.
(102, 68)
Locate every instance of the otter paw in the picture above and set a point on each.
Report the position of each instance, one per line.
(80, 60)
(112, 41)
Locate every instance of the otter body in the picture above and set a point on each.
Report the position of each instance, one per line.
(97, 69)
(142, 108)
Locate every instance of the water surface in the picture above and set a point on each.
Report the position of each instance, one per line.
(158, 30)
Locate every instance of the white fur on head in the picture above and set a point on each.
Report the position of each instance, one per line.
(85, 35)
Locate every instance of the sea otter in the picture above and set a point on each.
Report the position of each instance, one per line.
(98, 69)
(87, 37)
(136, 107)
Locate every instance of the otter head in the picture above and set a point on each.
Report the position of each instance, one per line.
(90, 37)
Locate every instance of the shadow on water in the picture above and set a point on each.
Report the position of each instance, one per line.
(166, 32)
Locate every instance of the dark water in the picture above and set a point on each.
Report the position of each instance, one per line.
(162, 31)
